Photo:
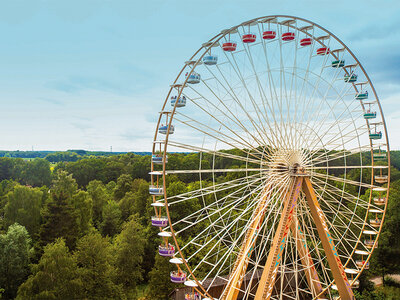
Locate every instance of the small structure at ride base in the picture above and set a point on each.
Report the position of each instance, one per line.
(272, 116)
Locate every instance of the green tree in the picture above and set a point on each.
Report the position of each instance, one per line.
(60, 217)
(95, 261)
(82, 203)
(54, 277)
(386, 258)
(142, 198)
(126, 205)
(160, 285)
(64, 185)
(37, 172)
(129, 247)
(23, 206)
(14, 259)
(111, 224)
(124, 185)
(100, 197)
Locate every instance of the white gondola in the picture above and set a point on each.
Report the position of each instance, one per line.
(381, 178)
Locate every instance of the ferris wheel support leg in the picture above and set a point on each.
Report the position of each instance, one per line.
(267, 280)
(306, 260)
(232, 289)
(339, 275)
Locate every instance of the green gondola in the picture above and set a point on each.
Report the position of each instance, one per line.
(370, 115)
(337, 63)
(350, 78)
(375, 136)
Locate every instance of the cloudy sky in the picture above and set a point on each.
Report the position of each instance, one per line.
(93, 73)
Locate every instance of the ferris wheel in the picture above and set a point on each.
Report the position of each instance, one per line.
(286, 165)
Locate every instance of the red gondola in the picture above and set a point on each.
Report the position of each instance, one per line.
(269, 35)
(305, 42)
(249, 38)
(322, 51)
(229, 46)
(288, 36)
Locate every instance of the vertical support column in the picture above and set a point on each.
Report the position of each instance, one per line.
(239, 270)
(342, 283)
(267, 280)
(306, 259)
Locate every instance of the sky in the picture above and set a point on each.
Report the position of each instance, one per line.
(93, 74)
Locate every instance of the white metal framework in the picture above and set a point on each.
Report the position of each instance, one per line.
(287, 165)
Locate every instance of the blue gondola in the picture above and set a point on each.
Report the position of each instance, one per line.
(181, 101)
(164, 128)
(210, 60)
(156, 190)
(193, 78)
(158, 159)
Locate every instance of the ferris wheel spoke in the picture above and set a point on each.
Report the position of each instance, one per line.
(227, 207)
(352, 218)
(319, 109)
(232, 117)
(238, 269)
(224, 186)
(261, 93)
(238, 102)
(343, 240)
(344, 180)
(228, 226)
(231, 92)
(318, 254)
(261, 119)
(346, 167)
(332, 155)
(338, 101)
(169, 172)
(315, 90)
(217, 152)
(334, 192)
(217, 138)
(217, 210)
(349, 123)
(345, 138)
(218, 135)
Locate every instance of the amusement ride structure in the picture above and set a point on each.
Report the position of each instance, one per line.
(289, 180)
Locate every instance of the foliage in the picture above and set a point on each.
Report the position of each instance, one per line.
(111, 219)
(129, 251)
(95, 261)
(14, 259)
(160, 284)
(60, 219)
(54, 277)
(23, 205)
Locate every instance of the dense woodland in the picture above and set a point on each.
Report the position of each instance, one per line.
(76, 226)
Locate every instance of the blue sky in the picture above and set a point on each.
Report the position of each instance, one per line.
(93, 74)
